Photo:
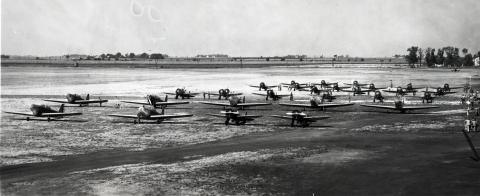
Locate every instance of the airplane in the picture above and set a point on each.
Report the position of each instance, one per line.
(181, 92)
(447, 88)
(440, 91)
(427, 96)
(235, 116)
(264, 86)
(399, 106)
(355, 83)
(77, 99)
(149, 113)
(300, 119)
(402, 91)
(236, 102)
(295, 86)
(327, 95)
(356, 90)
(156, 101)
(372, 87)
(45, 111)
(324, 84)
(317, 91)
(335, 87)
(273, 95)
(378, 96)
(317, 103)
(222, 93)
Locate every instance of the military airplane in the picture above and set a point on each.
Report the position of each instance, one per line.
(399, 106)
(235, 116)
(45, 111)
(222, 93)
(236, 102)
(337, 88)
(77, 99)
(427, 96)
(373, 88)
(378, 96)
(317, 91)
(403, 91)
(356, 83)
(149, 113)
(300, 119)
(156, 101)
(446, 87)
(316, 103)
(440, 91)
(273, 95)
(182, 92)
(356, 90)
(263, 86)
(296, 86)
(324, 84)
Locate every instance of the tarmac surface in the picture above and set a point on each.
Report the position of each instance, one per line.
(360, 151)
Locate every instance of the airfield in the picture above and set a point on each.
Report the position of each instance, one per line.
(358, 151)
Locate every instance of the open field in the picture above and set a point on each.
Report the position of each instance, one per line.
(357, 151)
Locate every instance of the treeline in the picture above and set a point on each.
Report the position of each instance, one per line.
(447, 56)
(117, 56)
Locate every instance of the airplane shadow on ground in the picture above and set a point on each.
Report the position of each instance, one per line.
(155, 122)
(41, 119)
(246, 109)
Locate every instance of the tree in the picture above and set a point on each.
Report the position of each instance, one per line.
(420, 55)
(103, 56)
(144, 56)
(118, 55)
(468, 60)
(131, 55)
(440, 59)
(156, 56)
(412, 57)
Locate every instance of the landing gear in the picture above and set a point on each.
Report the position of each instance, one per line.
(28, 118)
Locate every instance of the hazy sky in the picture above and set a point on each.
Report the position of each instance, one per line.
(238, 28)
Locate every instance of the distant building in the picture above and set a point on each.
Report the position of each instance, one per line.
(212, 56)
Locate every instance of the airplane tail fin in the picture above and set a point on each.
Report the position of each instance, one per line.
(88, 97)
(166, 98)
(62, 108)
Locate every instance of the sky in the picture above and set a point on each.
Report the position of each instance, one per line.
(368, 28)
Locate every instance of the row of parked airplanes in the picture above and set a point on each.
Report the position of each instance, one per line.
(148, 109)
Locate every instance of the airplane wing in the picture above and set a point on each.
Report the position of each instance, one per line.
(380, 106)
(250, 116)
(252, 104)
(457, 87)
(20, 113)
(215, 103)
(235, 94)
(317, 117)
(167, 116)
(418, 107)
(297, 105)
(282, 117)
(123, 115)
(172, 103)
(56, 101)
(333, 105)
(90, 101)
(136, 102)
(59, 114)
(389, 91)
(356, 91)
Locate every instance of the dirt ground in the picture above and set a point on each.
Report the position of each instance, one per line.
(359, 151)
